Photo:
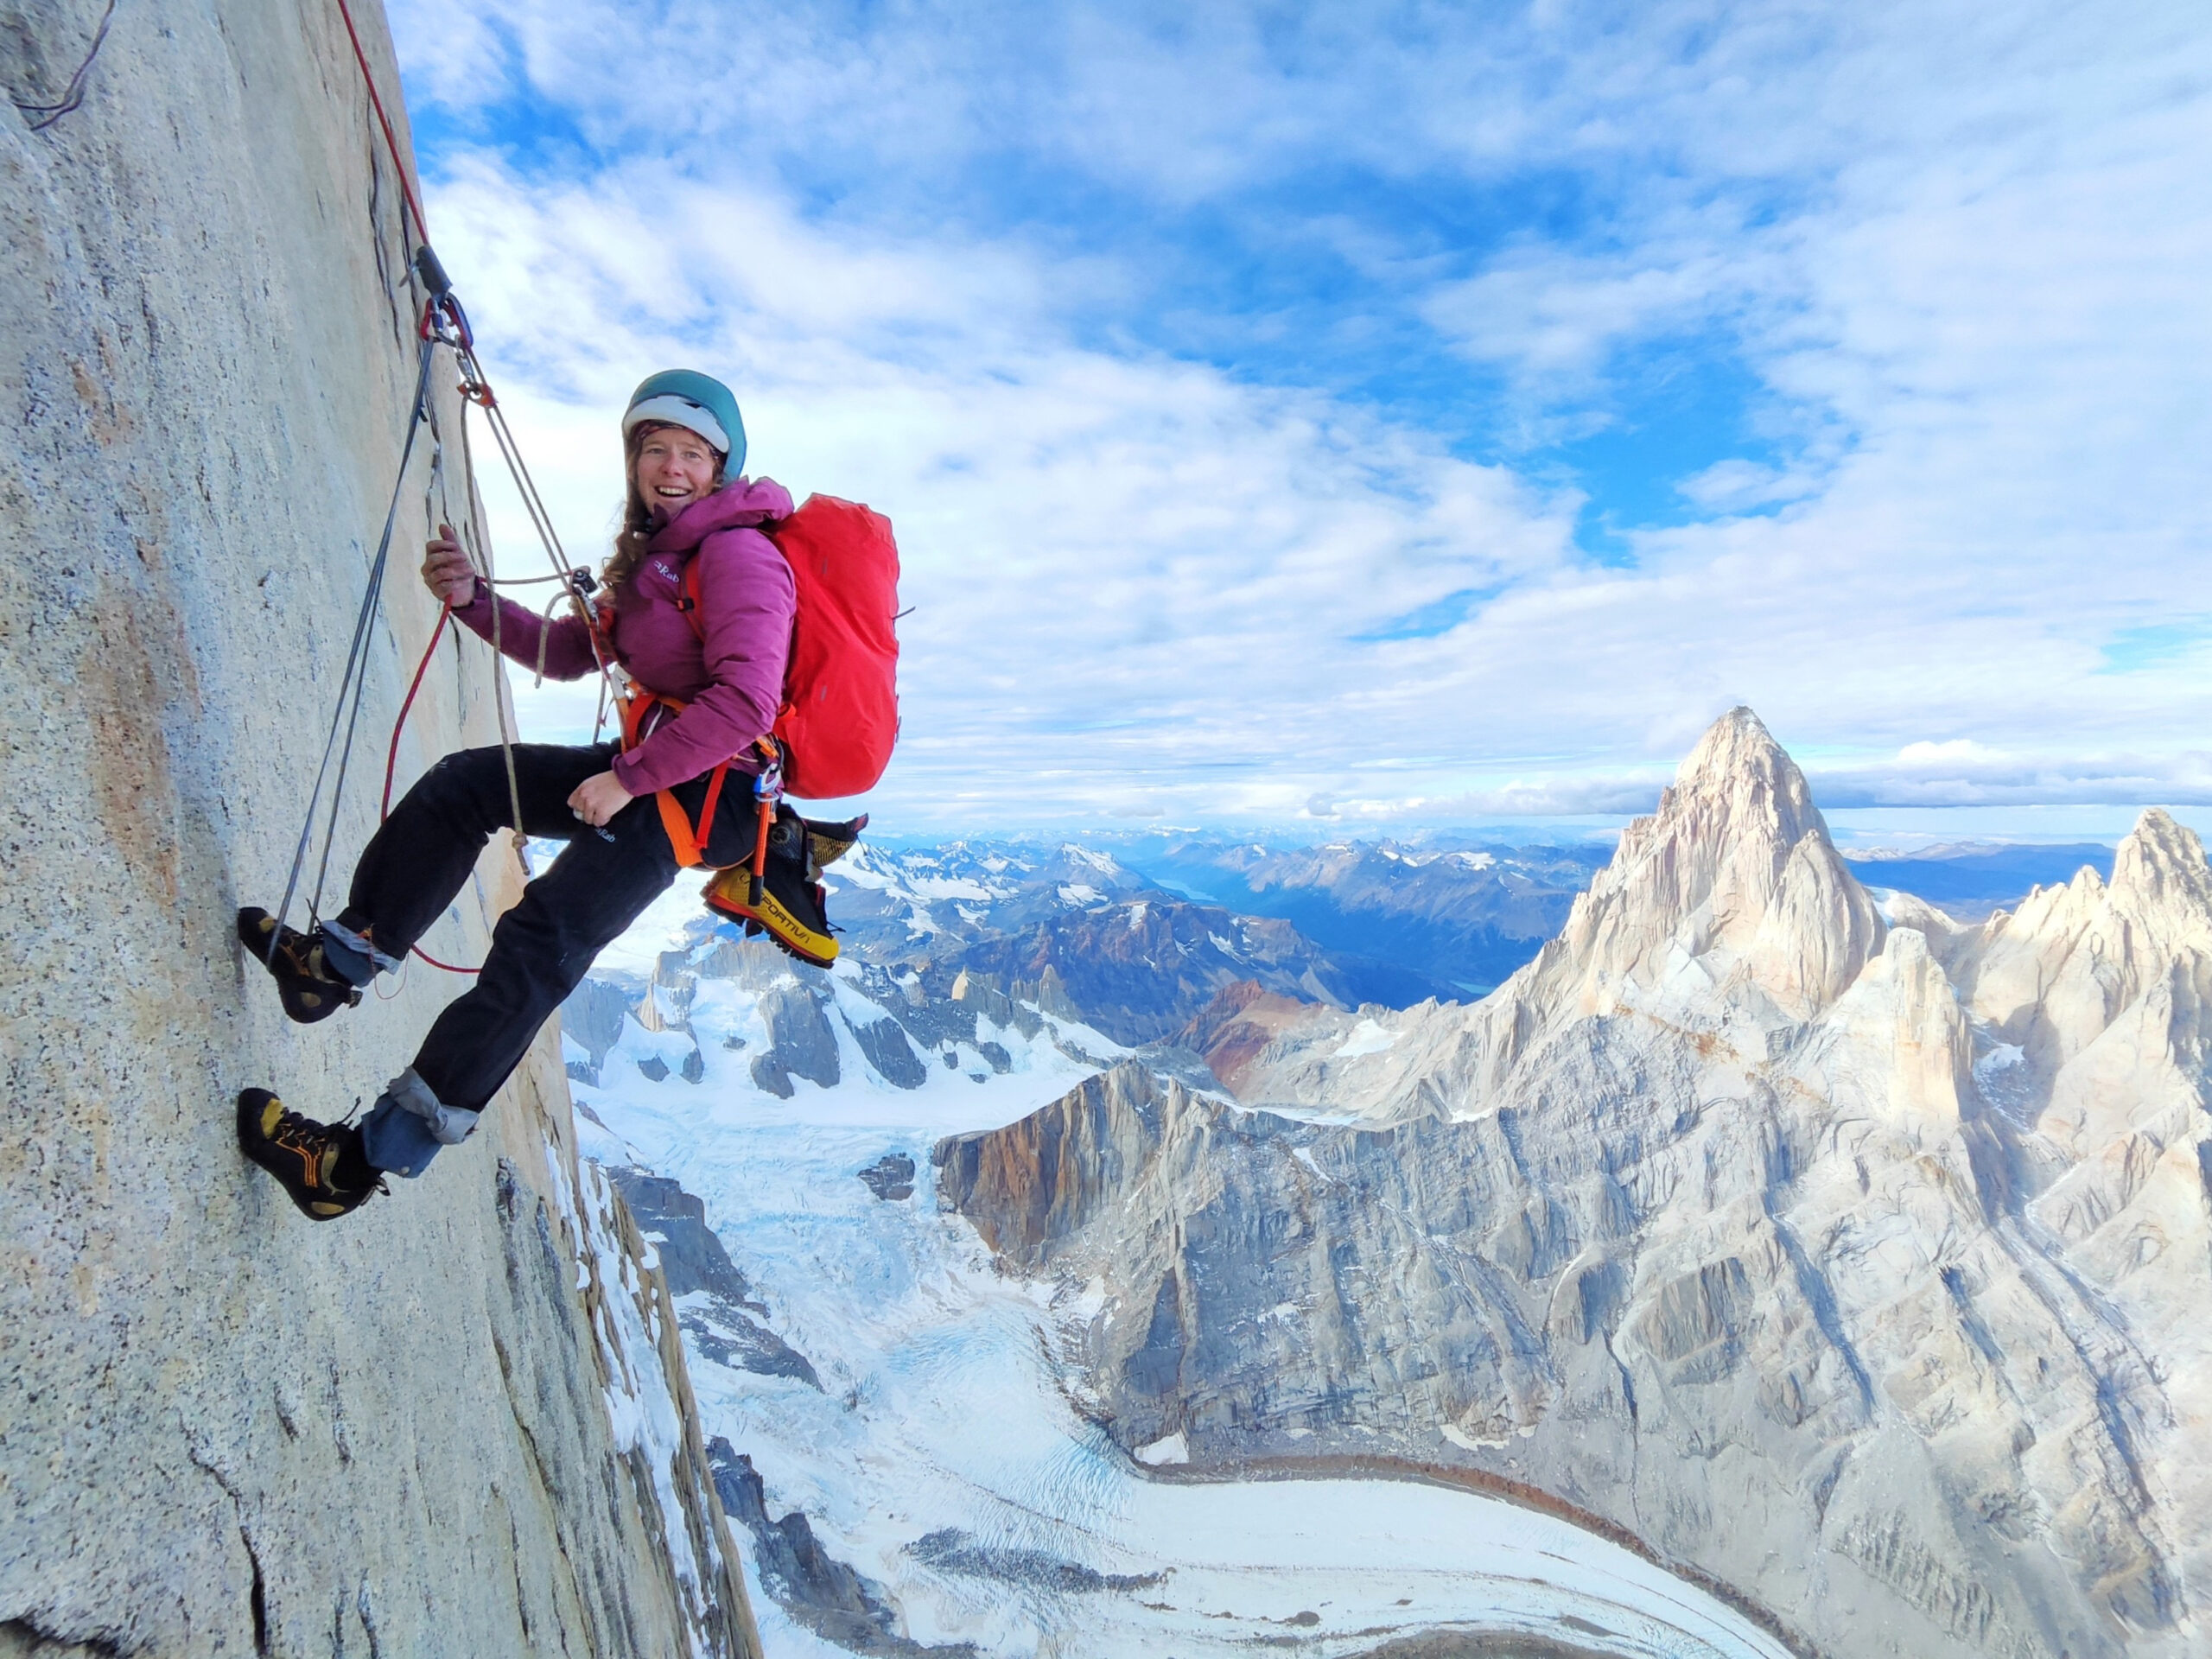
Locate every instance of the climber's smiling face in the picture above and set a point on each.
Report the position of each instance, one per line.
(675, 467)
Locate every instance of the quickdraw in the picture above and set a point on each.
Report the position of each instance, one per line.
(443, 323)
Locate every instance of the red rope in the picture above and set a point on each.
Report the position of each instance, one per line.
(421, 234)
(392, 755)
(390, 139)
(445, 612)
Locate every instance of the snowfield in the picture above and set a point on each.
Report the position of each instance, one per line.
(940, 1458)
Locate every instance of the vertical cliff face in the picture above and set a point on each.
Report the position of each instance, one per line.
(1862, 1270)
(1049, 1175)
(456, 1422)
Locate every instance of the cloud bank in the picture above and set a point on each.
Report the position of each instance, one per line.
(1371, 414)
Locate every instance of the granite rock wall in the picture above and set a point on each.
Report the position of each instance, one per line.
(455, 1423)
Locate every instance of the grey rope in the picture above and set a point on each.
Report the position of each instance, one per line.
(540, 520)
(480, 559)
(74, 98)
(355, 679)
(443, 326)
(544, 639)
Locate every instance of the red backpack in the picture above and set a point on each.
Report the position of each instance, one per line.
(840, 716)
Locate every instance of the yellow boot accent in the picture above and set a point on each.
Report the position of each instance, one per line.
(728, 895)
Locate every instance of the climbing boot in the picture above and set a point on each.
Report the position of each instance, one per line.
(320, 1165)
(789, 906)
(310, 987)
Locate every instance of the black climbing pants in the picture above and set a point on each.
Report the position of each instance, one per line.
(418, 863)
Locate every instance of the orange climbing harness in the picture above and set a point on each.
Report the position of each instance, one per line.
(690, 841)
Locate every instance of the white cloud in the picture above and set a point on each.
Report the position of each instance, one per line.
(1963, 773)
(1110, 558)
(1962, 248)
(1956, 752)
(1739, 485)
(1544, 312)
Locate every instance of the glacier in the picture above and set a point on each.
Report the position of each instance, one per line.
(941, 1455)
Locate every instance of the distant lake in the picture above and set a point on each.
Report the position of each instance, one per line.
(1970, 884)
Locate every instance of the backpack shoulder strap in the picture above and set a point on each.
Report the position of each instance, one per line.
(691, 598)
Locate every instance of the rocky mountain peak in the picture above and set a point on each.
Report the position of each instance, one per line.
(2054, 975)
(1737, 859)
(1737, 767)
(1740, 796)
(2160, 871)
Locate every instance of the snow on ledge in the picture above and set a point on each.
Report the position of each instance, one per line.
(1174, 1449)
(1365, 1037)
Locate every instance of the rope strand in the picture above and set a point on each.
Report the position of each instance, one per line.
(481, 559)
(39, 117)
(390, 139)
(391, 759)
(443, 323)
(370, 600)
(356, 664)
(478, 389)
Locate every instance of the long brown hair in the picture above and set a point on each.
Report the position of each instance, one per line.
(638, 518)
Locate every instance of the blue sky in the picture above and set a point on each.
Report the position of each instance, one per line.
(1389, 414)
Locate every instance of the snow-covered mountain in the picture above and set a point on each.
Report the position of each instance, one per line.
(1072, 928)
(1835, 1252)
(1856, 1260)
(887, 1421)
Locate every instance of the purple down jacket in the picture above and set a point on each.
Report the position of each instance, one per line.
(733, 679)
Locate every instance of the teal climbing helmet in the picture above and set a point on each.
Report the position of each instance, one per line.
(697, 401)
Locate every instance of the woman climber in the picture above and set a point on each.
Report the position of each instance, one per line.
(712, 648)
